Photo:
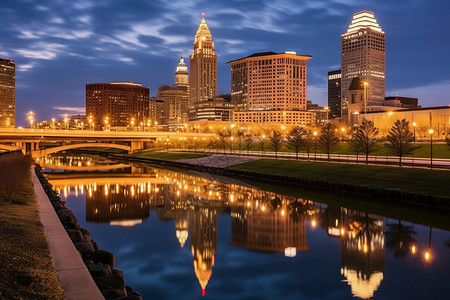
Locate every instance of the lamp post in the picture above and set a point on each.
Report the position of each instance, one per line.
(327, 109)
(365, 97)
(90, 122)
(262, 144)
(431, 131)
(65, 122)
(53, 123)
(106, 123)
(132, 123)
(30, 116)
(315, 145)
(231, 144)
(414, 125)
(195, 143)
(342, 133)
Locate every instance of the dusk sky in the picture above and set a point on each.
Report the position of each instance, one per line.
(59, 46)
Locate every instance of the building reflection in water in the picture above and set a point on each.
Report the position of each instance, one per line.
(362, 247)
(260, 220)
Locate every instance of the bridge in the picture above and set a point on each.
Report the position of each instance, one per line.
(29, 140)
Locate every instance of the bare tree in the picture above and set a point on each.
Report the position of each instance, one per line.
(328, 140)
(364, 138)
(222, 140)
(240, 137)
(309, 142)
(262, 142)
(296, 140)
(275, 142)
(400, 140)
(248, 141)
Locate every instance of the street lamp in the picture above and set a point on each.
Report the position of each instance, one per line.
(414, 125)
(30, 117)
(53, 123)
(365, 97)
(90, 122)
(327, 109)
(342, 131)
(65, 122)
(106, 123)
(195, 144)
(315, 144)
(431, 131)
(231, 144)
(132, 123)
(262, 144)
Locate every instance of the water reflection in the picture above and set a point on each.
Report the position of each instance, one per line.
(260, 220)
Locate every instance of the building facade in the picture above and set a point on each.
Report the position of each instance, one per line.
(334, 93)
(270, 85)
(7, 93)
(363, 55)
(203, 64)
(220, 108)
(117, 104)
(176, 104)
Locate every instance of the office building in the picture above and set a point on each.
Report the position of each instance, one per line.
(334, 93)
(7, 93)
(270, 87)
(176, 99)
(363, 55)
(117, 104)
(219, 108)
(203, 64)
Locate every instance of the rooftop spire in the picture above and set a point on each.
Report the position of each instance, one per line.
(364, 19)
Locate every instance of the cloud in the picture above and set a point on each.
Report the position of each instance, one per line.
(435, 94)
(25, 67)
(318, 94)
(42, 50)
(71, 109)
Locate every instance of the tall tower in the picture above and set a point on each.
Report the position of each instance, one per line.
(203, 64)
(363, 55)
(7, 93)
(181, 75)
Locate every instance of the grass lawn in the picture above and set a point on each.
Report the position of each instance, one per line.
(26, 269)
(422, 181)
(167, 155)
(423, 150)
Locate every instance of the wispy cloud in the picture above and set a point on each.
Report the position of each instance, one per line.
(42, 50)
(25, 67)
(71, 109)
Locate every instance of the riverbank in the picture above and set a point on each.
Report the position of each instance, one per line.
(26, 267)
(421, 187)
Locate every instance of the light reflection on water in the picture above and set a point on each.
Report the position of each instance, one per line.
(258, 244)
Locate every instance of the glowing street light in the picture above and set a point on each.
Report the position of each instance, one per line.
(231, 144)
(132, 123)
(431, 131)
(30, 117)
(106, 123)
(365, 97)
(315, 145)
(342, 131)
(90, 122)
(53, 123)
(65, 121)
(195, 144)
(414, 125)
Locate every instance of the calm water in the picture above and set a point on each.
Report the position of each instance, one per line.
(181, 236)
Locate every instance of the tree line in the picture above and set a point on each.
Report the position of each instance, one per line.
(364, 139)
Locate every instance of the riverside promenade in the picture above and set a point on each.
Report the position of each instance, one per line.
(73, 275)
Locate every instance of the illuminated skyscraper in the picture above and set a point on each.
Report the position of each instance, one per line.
(7, 93)
(203, 64)
(270, 87)
(363, 55)
(181, 74)
(334, 93)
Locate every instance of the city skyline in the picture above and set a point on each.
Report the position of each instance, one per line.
(66, 46)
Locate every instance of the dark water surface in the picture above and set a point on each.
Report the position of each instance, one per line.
(178, 236)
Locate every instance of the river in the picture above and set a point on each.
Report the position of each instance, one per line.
(184, 235)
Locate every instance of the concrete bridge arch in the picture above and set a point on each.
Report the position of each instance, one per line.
(45, 152)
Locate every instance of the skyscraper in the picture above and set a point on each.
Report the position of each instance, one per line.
(176, 99)
(363, 55)
(203, 64)
(117, 104)
(270, 87)
(334, 93)
(7, 93)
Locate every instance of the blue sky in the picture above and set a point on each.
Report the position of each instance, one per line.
(60, 45)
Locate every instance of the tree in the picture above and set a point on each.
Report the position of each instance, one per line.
(296, 141)
(364, 138)
(328, 139)
(248, 141)
(275, 142)
(400, 140)
(309, 142)
(222, 140)
(399, 238)
(240, 137)
(262, 142)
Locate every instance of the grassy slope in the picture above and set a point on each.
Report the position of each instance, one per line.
(431, 182)
(167, 155)
(26, 269)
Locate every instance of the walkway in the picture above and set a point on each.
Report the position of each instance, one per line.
(73, 275)
(218, 160)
